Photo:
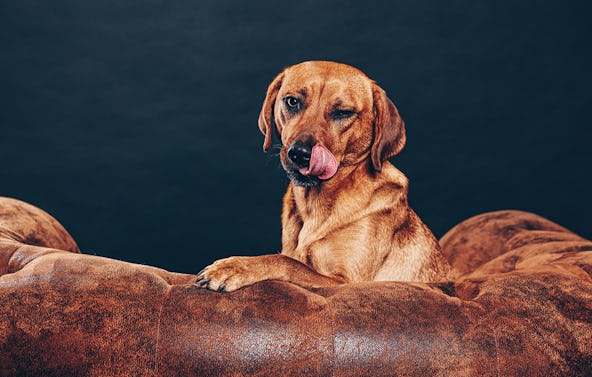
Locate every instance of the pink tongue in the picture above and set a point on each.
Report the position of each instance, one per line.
(322, 163)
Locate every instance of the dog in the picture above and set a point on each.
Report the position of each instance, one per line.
(345, 215)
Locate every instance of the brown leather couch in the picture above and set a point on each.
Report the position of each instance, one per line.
(522, 306)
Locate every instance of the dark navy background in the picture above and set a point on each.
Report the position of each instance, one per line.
(135, 122)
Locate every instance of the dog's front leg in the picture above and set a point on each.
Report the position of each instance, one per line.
(232, 273)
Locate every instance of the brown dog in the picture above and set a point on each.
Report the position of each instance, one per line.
(345, 215)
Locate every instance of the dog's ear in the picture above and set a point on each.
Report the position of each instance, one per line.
(389, 129)
(266, 116)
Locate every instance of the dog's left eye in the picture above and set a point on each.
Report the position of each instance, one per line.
(342, 114)
(292, 103)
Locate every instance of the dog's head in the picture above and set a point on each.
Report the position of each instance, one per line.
(329, 115)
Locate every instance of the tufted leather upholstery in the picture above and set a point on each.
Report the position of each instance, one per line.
(521, 306)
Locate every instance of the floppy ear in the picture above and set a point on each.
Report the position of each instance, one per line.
(389, 129)
(266, 116)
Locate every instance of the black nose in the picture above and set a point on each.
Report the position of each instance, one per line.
(299, 152)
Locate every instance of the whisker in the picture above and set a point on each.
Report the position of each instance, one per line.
(275, 150)
(276, 146)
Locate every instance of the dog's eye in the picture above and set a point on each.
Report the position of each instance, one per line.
(342, 114)
(292, 103)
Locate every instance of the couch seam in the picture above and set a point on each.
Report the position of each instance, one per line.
(497, 363)
(158, 323)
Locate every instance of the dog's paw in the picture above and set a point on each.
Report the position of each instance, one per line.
(227, 275)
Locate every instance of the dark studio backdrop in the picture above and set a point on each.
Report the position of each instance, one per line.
(134, 123)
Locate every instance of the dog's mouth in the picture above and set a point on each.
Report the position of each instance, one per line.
(322, 164)
(317, 165)
(301, 180)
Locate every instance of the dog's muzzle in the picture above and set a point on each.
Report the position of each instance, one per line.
(299, 153)
(313, 162)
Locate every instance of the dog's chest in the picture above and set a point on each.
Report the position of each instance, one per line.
(329, 249)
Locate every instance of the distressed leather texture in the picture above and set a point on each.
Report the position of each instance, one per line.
(521, 306)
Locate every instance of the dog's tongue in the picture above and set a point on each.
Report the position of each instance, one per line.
(322, 163)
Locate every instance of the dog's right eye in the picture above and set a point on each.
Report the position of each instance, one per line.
(292, 103)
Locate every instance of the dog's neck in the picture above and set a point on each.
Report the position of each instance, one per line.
(321, 201)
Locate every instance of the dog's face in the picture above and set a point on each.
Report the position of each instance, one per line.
(329, 115)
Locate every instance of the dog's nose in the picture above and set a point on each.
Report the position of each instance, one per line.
(299, 152)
